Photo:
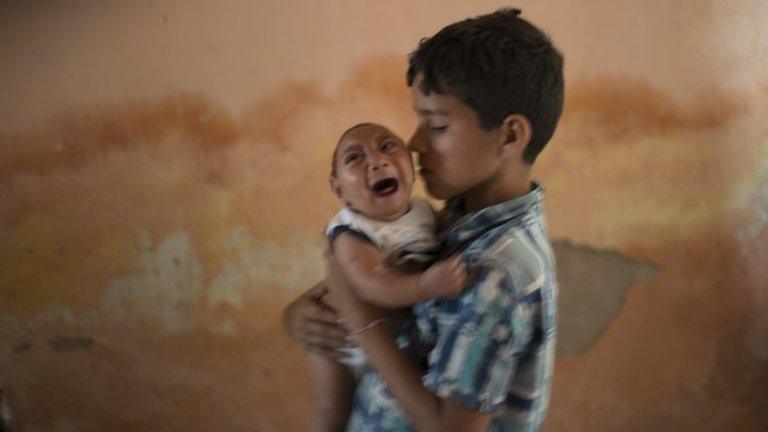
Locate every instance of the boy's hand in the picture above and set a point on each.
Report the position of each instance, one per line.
(445, 279)
(311, 322)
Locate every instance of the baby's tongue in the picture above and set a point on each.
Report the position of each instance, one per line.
(385, 187)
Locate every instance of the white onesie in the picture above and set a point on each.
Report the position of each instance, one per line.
(411, 238)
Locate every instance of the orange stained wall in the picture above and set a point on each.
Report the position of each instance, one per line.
(163, 189)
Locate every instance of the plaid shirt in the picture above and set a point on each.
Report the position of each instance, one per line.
(492, 348)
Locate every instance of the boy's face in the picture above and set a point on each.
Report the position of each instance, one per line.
(374, 172)
(455, 153)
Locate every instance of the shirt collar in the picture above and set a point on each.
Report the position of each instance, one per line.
(457, 228)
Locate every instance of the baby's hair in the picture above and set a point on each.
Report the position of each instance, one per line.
(335, 151)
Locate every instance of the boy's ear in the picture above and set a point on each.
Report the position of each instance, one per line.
(515, 134)
(335, 186)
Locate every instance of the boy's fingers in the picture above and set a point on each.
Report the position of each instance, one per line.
(323, 339)
(325, 329)
(323, 314)
(317, 310)
(318, 291)
(461, 276)
(452, 264)
(332, 354)
(459, 268)
(324, 342)
(459, 271)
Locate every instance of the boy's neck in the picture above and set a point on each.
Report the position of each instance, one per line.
(510, 185)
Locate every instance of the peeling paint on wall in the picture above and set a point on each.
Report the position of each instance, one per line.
(225, 288)
(165, 290)
(592, 286)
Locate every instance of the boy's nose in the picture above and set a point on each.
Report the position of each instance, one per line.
(418, 142)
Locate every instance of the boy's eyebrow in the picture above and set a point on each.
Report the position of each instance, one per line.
(428, 112)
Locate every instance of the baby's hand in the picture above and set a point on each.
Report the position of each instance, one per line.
(444, 279)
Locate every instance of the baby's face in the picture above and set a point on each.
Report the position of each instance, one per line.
(374, 172)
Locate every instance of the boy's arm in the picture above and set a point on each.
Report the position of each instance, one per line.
(311, 322)
(424, 409)
(373, 282)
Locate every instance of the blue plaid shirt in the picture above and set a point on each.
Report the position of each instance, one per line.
(492, 348)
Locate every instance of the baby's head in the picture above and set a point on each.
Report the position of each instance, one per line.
(372, 172)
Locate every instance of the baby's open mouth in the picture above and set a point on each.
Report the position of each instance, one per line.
(385, 187)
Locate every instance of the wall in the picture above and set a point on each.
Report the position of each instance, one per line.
(163, 180)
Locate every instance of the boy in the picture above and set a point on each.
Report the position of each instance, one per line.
(488, 93)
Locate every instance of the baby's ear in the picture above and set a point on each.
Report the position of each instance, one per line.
(335, 186)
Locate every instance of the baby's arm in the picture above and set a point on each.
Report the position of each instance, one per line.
(386, 287)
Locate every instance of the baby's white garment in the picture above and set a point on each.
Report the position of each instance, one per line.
(411, 238)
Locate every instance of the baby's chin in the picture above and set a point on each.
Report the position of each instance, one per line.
(391, 207)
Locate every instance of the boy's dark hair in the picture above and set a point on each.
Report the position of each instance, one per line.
(498, 64)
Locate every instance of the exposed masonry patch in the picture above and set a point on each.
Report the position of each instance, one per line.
(593, 285)
(256, 264)
(70, 343)
(167, 290)
(268, 263)
(228, 287)
(164, 290)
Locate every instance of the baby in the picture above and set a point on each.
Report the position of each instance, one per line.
(383, 240)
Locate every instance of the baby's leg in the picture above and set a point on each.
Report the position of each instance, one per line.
(332, 389)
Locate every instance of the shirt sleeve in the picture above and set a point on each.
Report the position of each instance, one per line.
(476, 355)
